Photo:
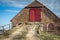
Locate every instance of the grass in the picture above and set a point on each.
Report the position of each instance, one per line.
(6, 34)
(21, 36)
(14, 29)
(49, 36)
(42, 35)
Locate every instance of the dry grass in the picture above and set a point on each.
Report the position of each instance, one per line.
(42, 35)
(49, 36)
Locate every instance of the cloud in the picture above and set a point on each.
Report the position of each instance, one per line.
(14, 3)
(53, 5)
(11, 11)
(17, 5)
(59, 16)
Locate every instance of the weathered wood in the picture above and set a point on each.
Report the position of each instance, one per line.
(47, 16)
(3, 28)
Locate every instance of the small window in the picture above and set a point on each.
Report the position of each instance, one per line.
(51, 26)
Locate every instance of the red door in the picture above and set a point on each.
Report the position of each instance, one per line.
(32, 15)
(35, 15)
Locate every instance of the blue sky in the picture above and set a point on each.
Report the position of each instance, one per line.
(9, 8)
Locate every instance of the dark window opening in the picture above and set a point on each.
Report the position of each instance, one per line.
(51, 26)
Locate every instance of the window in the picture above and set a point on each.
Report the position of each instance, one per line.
(51, 26)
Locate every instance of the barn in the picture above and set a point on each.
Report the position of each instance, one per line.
(37, 12)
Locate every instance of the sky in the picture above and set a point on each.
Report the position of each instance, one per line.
(9, 8)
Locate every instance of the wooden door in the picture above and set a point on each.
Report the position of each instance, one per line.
(35, 15)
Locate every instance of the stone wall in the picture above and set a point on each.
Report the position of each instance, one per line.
(46, 19)
(22, 17)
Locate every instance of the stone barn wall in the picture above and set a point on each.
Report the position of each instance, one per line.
(47, 18)
(22, 17)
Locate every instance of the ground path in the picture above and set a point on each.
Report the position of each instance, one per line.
(31, 32)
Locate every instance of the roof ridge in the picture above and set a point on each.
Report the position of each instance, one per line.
(35, 4)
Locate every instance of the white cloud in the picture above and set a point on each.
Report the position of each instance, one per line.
(51, 4)
(11, 11)
(59, 16)
(13, 3)
(17, 5)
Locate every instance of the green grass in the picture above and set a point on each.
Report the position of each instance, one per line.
(49, 36)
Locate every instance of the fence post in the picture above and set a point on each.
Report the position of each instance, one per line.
(3, 29)
(9, 26)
